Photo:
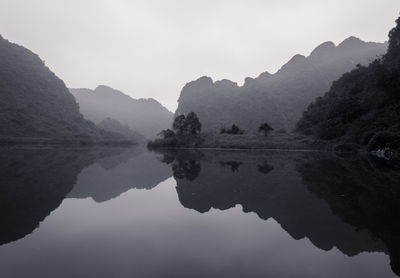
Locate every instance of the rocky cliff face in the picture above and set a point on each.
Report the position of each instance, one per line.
(34, 102)
(145, 116)
(279, 98)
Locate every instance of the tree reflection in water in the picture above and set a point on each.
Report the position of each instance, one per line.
(351, 203)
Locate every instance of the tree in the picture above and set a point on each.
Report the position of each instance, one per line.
(266, 128)
(167, 134)
(192, 124)
(179, 124)
(393, 54)
(234, 130)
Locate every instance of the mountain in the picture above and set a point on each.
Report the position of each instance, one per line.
(146, 116)
(34, 102)
(114, 126)
(363, 106)
(279, 98)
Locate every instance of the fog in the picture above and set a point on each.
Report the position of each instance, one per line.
(151, 48)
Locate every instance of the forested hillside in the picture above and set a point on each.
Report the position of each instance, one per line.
(363, 106)
(34, 102)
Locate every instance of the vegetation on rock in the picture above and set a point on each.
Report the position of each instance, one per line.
(280, 98)
(35, 103)
(362, 107)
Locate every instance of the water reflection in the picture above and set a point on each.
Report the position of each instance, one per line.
(348, 203)
(34, 181)
(363, 192)
(351, 203)
(233, 165)
(111, 176)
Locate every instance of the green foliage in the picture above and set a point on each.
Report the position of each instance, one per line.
(361, 107)
(266, 128)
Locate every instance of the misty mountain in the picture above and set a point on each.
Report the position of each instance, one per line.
(146, 116)
(363, 106)
(114, 126)
(279, 98)
(34, 101)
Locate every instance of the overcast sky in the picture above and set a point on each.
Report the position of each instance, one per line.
(152, 48)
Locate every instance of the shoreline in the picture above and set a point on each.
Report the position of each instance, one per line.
(284, 142)
(14, 141)
(243, 149)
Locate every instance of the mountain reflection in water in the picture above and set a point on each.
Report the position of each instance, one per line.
(351, 203)
(348, 203)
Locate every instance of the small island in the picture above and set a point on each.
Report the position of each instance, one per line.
(187, 132)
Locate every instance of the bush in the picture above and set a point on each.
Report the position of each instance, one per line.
(166, 134)
(235, 130)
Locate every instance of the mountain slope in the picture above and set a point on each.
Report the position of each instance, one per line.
(34, 102)
(114, 126)
(279, 98)
(363, 106)
(146, 116)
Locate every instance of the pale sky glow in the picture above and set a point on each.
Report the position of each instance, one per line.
(152, 48)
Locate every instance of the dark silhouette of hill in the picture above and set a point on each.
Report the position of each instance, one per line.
(34, 182)
(111, 176)
(203, 183)
(363, 192)
(34, 102)
(278, 99)
(363, 106)
(145, 116)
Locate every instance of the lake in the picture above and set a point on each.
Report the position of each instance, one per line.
(128, 212)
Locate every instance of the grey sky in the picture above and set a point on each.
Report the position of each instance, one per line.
(151, 48)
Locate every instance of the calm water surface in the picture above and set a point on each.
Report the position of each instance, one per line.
(133, 213)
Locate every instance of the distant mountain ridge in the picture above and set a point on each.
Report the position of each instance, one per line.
(279, 98)
(34, 102)
(145, 116)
